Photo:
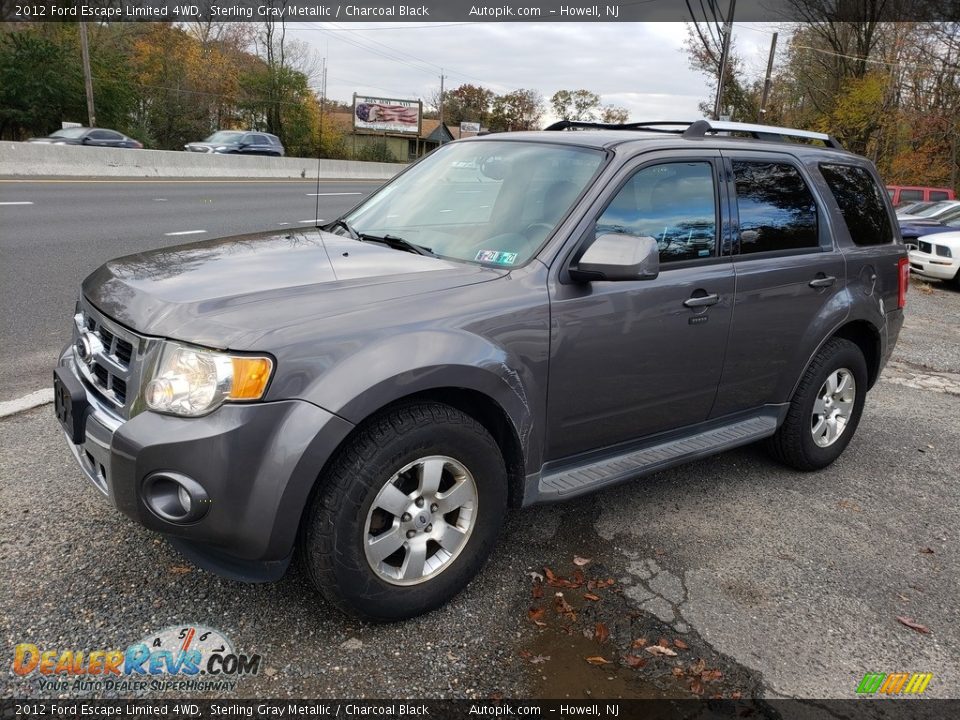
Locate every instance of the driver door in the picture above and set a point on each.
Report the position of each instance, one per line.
(634, 358)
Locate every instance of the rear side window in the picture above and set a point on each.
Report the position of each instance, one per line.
(911, 196)
(777, 210)
(939, 195)
(861, 203)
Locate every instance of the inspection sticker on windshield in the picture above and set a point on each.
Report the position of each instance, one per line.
(495, 256)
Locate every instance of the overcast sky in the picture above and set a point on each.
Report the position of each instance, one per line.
(639, 66)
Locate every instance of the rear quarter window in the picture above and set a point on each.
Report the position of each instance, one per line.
(939, 195)
(861, 203)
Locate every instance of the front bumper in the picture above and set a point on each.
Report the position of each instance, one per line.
(257, 462)
(934, 266)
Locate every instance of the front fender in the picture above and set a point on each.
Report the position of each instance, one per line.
(395, 367)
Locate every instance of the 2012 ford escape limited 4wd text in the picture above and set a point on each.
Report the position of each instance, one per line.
(514, 319)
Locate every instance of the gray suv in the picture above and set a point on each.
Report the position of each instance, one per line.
(515, 319)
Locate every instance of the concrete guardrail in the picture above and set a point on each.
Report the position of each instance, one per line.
(20, 159)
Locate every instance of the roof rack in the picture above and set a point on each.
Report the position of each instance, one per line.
(699, 129)
(773, 133)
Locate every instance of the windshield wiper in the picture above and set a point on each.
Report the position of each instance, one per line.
(397, 243)
(340, 222)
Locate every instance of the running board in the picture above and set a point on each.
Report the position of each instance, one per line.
(570, 480)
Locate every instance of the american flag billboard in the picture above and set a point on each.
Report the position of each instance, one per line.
(387, 115)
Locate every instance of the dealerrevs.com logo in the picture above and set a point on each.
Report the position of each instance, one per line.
(185, 658)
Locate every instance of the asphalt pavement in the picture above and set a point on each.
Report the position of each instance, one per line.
(763, 581)
(54, 232)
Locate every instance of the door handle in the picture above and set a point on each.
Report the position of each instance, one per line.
(702, 301)
(822, 282)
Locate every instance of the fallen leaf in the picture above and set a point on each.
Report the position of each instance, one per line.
(736, 695)
(635, 662)
(660, 650)
(678, 672)
(663, 642)
(597, 660)
(536, 615)
(537, 591)
(903, 597)
(913, 625)
(697, 667)
(599, 584)
(578, 578)
(696, 687)
(711, 675)
(591, 596)
(639, 643)
(927, 551)
(580, 561)
(562, 607)
(600, 632)
(680, 644)
(539, 659)
(525, 654)
(180, 569)
(556, 581)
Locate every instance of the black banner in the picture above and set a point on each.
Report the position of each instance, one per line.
(467, 10)
(455, 709)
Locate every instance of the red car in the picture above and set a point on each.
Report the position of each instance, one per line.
(902, 194)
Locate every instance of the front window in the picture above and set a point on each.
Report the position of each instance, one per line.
(69, 133)
(223, 136)
(492, 202)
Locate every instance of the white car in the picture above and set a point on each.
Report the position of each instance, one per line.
(934, 212)
(937, 256)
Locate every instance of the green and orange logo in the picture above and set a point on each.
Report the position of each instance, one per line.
(894, 683)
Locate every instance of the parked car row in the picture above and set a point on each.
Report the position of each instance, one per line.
(931, 231)
(227, 142)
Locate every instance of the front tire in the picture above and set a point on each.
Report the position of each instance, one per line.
(825, 410)
(407, 513)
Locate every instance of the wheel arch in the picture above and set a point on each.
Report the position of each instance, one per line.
(864, 335)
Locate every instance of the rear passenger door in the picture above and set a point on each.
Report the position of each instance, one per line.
(789, 272)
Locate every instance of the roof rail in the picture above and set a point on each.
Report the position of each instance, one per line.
(649, 126)
(700, 128)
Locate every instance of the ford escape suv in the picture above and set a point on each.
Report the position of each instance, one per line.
(515, 319)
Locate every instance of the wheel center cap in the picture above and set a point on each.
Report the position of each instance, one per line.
(421, 520)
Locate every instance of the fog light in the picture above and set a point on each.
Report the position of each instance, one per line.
(175, 498)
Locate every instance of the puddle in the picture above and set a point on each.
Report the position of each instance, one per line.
(592, 642)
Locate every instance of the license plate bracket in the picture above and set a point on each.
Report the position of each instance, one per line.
(70, 404)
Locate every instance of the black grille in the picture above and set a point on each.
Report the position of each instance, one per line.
(101, 373)
(124, 351)
(120, 390)
(925, 247)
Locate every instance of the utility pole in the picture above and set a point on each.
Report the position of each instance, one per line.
(724, 57)
(441, 107)
(766, 81)
(87, 80)
(323, 98)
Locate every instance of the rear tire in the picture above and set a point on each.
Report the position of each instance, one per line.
(825, 410)
(407, 513)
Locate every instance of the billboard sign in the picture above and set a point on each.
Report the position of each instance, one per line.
(387, 115)
(469, 127)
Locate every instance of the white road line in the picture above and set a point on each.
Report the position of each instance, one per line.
(315, 221)
(159, 199)
(27, 402)
(26, 202)
(283, 223)
(186, 232)
(325, 194)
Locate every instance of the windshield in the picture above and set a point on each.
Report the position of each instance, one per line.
(69, 132)
(935, 208)
(491, 201)
(222, 136)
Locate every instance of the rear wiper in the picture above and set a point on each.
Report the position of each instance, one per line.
(397, 243)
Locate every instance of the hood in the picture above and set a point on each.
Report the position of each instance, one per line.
(227, 143)
(227, 293)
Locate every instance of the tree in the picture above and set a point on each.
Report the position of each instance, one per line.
(517, 110)
(614, 115)
(467, 103)
(575, 104)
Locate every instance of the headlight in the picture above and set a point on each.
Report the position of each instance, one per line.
(944, 251)
(191, 381)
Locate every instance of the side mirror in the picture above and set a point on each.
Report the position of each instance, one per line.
(85, 140)
(615, 256)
